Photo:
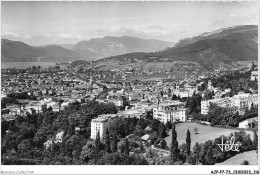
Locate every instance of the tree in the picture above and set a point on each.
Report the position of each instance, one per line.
(255, 141)
(203, 87)
(107, 142)
(41, 136)
(153, 137)
(127, 131)
(209, 159)
(121, 159)
(245, 162)
(149, 115)
(168, 125)
(162, 130)
(119, 126)
(72, 146)
(196, 153)
(175, 97)
(114, 143)
(88, 152)
(141, 124)
(194, 103)
(252, 66)
(246, 142)
(25, 148)
(163, 144)
(174, 145)
(155, 124)
(97, 142)
(188, 142)
(121, 146)
(127, 149)
(182, 154)
(252, 108)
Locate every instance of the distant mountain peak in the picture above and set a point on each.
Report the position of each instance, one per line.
(220, 33)
(115, 45)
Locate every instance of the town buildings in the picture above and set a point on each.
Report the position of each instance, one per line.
(240, 102)
(243, 101)
(223, 102)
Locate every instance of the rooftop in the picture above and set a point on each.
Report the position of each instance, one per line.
(104, 117)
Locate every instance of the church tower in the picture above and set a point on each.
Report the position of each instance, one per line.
(178, 85)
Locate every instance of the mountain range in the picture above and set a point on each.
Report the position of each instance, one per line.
(87, 50)
(16, 51)
(109, 46)
(224, 47)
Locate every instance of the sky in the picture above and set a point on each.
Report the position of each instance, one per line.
(41, 23)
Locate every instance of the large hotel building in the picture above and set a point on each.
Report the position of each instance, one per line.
(170, 112)
(100, 125)
(240, 102)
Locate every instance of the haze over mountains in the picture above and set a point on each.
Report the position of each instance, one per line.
(87, 50)
(216, 49)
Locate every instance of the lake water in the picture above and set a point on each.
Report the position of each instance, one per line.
(24, 65)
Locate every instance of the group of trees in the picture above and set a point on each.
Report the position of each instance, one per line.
(236, 81)
(8, 100)
(23, 139)
(193, 104)
(12, 98)
(209, 153)
(178, 98)
(179, 154)
(222, 116)
(110, 151)
(158, 132)
(21, 95)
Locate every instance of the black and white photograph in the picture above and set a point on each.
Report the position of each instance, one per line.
(159, 87)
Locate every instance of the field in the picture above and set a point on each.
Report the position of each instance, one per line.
(205, 133)
(250, 156)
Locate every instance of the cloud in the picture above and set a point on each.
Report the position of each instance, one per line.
(64, 36)
(10, 34)
(149, 31)
(235, 19)
(78, 37)
(232, 15)
(28, 36)
(48, 35)
(155, 27)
